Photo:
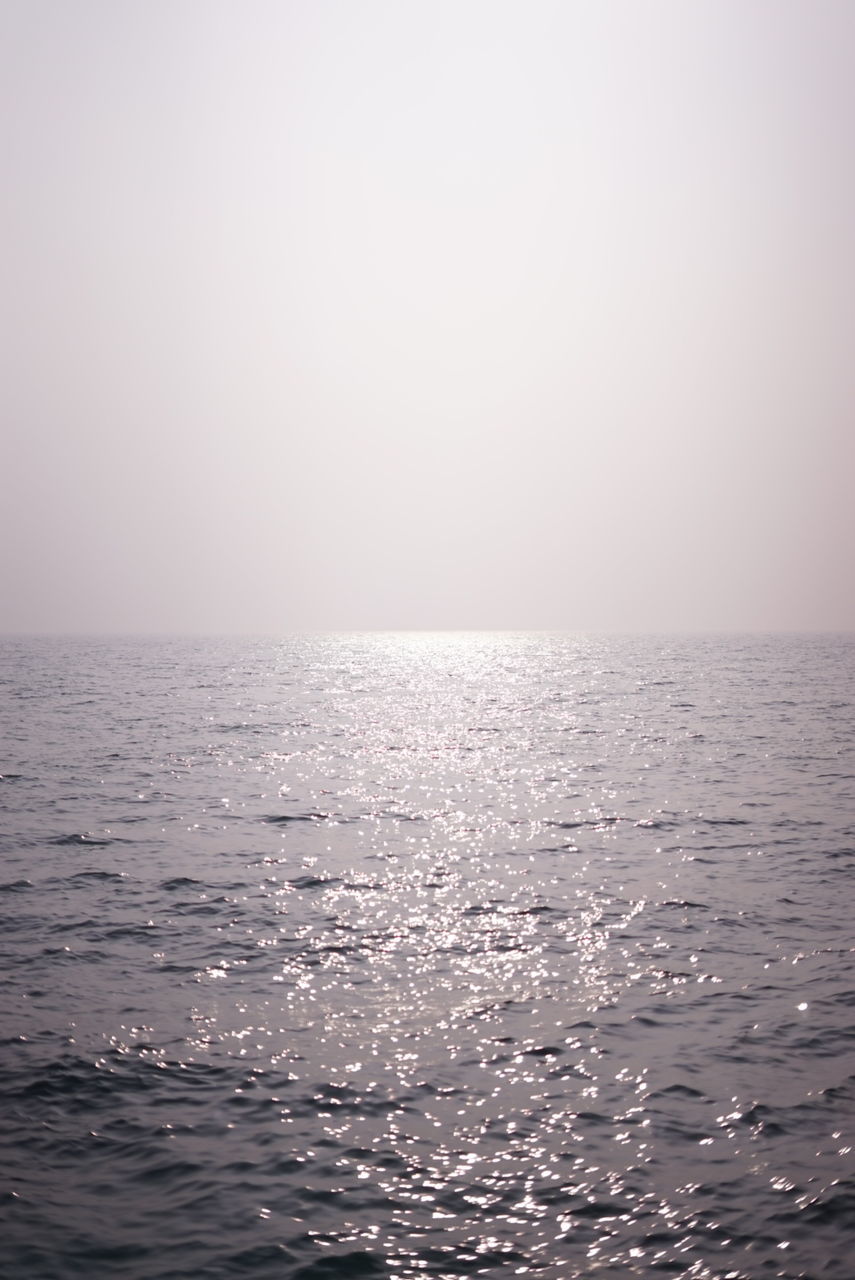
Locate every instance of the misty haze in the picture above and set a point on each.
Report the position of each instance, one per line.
(427, 314)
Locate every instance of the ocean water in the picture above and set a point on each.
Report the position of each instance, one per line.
(420, 955)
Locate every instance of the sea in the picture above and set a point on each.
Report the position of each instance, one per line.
(426, 955)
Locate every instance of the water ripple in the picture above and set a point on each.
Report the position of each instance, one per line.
(428, 956)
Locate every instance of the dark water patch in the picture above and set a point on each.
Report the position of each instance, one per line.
(81, 839)
(833, 1207)
(313, 882)
(357, 1262)
(96, 875)
(678, 1091)
(284, 819)
(592, 824)
(143, 932)
(212, 907)
(80, 926)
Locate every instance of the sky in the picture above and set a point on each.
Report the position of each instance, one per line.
(427, 313)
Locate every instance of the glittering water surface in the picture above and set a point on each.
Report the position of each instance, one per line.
(428, 955)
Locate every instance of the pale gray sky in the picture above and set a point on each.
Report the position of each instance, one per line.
(439, 313)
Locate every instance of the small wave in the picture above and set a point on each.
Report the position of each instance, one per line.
(359, 1262)
(283, 819)
(313, 882)
(837, 1210)
(677, 1091)
(594, 824)
(78, 838)
(97, 875)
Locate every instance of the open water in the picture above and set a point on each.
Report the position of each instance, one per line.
(427, 956)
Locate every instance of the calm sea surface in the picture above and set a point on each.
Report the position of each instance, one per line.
(427, 956)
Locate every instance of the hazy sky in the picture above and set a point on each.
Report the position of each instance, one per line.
(393, 313)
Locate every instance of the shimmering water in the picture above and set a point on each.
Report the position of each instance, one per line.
(428, 955)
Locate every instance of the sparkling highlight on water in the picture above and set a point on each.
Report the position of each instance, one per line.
(427, 955)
